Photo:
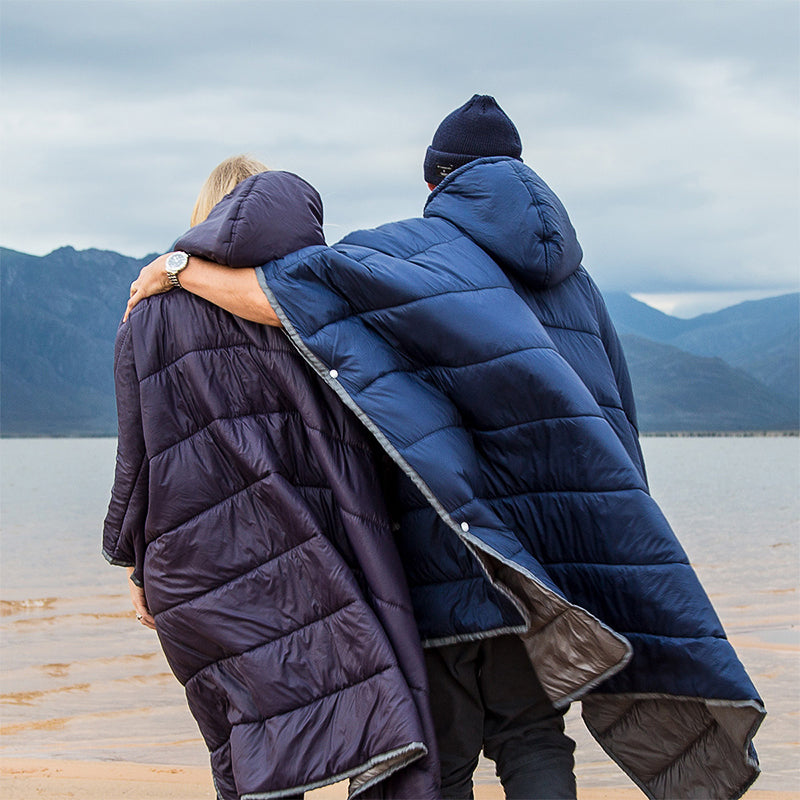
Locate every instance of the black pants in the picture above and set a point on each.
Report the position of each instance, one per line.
(485, 695)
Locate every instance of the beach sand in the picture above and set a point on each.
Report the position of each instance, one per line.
(112, 777)
(24, 779)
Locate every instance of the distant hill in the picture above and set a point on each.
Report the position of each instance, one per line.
(733, 370)
(637, 318)
(58, 318)
(679, 391)
(758, 336)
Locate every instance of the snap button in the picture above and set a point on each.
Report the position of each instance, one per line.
(334, 373)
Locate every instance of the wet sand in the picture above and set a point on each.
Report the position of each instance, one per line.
(117, 726)
(22, 779)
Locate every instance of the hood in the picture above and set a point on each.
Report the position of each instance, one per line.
(507, 209)
(266, 216)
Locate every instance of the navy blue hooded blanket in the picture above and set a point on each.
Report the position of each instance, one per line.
(479, 353)
(247, 500)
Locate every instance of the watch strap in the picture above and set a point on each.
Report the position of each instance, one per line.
(176, 262)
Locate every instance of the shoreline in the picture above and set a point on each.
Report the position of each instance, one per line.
(790, 432)
(719, 434)
(59, 779)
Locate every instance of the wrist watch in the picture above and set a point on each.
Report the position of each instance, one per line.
(175, 263)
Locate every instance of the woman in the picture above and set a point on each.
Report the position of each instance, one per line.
(247, 508)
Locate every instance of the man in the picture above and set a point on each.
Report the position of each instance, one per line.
(475, 348)
(484, 690)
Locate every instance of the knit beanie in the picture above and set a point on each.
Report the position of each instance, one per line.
(477, 129)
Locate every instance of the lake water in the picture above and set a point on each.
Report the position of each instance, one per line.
(81, 679)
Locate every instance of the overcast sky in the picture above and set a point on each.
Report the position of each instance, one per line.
(669, 129)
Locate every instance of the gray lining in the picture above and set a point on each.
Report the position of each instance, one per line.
(714, 731)
(117, 562)
(392, 760)
(472, 637)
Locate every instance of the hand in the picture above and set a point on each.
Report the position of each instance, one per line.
(137, 597)
(152, 280)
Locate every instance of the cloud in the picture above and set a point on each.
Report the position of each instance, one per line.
(703, 191)
(668, 128)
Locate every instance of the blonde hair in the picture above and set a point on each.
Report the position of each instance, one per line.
(223, 179)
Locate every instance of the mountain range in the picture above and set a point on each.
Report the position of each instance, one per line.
(737, 369)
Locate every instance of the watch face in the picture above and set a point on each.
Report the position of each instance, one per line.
(176, 262)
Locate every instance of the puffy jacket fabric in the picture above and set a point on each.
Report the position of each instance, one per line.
(479, 353)
(248, 500)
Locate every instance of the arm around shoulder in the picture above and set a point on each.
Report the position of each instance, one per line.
(234, 289)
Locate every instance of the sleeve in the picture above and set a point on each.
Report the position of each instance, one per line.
(124, 527)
